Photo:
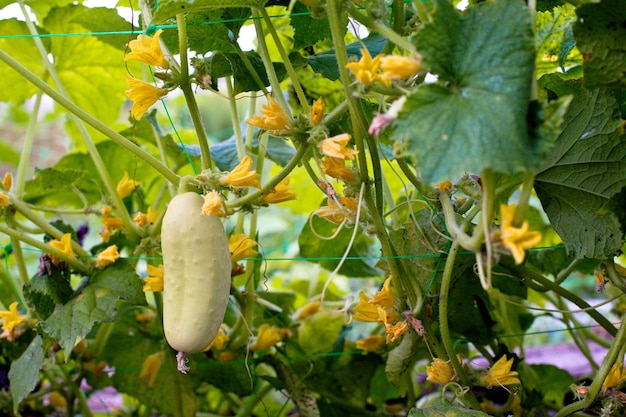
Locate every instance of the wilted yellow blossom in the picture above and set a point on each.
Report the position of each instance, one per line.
(364, 311)
(150, 368)
(107, 256)
(126, 186)
(500, 374)
(336, 168)
(317, 112)
(154, 281)
(335, 147)
(515, 239)
(616, 376)
(10, 320)
(366, 69)
(143, 96)
(439, 372)
(141, 219)
(212, 204)
(345, 212)
(308, 310)
(394, 331)
(147, 50)
(242, 176)
(64, 245)
(268, 336)
(280, 193)
(274, 118)
(371, 344)
(109, 224)
(241, 246)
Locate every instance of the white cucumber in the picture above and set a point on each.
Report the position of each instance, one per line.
(196, 279)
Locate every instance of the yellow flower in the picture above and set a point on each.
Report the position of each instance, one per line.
(126, 186)
(212, 204)
(394, 331)
(154, 282)
(240, 246)
(370, 344)
(274, 118)
(7, 181)
(500, 374)
(439, 372)
(364, 311)
(10, 320)
(57, 400)
(384, 298)
(616, 376)
(515, 239)
(141, 220)
(317, 112)
(4, 199)
(339, 213)
(335, 147)
(280, 193)
(268, 336)
(143, 95)
(308, 310)
(220, 339)
(64, 245)
(242, 176)
(109, 225)
(399, 67)
(366, 69)
(107, 256)
(106, 211)
(147, 50)
(444, 186)
(152, 215)
(336, 168)
(150, 368)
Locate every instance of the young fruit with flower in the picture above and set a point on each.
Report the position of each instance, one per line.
(387, 219)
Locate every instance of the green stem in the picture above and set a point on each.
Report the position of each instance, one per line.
(43, 224)
(422, 13)
(89, 119)
(594, 389)
(398, 16)
(381, 28)
(444, 326)
(20, 262)
(190, 97)
(252, 401)
(101, 338)
(267, 62)
(527, 274)
(73, 262)
(564, 273)
(286, 61)
(130, 226)
(27, 148)
(234, 116)
(523, 200)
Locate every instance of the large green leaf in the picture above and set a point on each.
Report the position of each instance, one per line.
(554, 38)
(105, 22)
(24, 373)
(554, 383)
(14, 87)
(600, 33)
(328, 253)
(95, 303)
(170, 8)
(586, 168)
(474, 118)
(92, 72)
(446, 409)
(307, 29)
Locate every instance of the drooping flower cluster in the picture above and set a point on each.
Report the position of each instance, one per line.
(145, 49)
(382, 308)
